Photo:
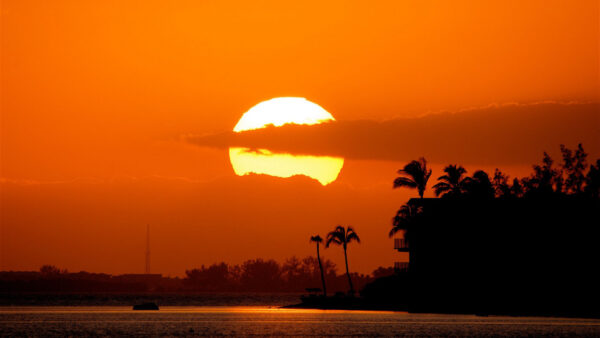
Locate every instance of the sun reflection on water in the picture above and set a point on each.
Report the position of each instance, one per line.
(324, 169)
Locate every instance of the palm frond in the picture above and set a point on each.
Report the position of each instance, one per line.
(316, 239)
(452, 182)
(444, 178)
(414, 174)
(351, 235)
(334, 240)
(441, 188)
(404, 182)
(337, 236)
(427, 176)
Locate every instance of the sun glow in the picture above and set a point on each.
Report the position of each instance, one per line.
(324, 169)
(277, 112)
(280, 111)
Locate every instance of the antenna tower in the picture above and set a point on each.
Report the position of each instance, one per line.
(148, 249)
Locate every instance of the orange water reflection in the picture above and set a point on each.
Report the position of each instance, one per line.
(178, 309)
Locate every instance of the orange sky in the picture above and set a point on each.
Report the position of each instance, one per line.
(96, 95)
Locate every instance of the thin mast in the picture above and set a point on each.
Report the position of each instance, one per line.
(148, 249)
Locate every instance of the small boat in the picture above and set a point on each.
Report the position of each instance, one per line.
(146, 306)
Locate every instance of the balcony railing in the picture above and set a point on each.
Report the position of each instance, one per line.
(400, 267)
(400, 244)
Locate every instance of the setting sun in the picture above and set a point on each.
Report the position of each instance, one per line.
(283, 110)
(277, 112)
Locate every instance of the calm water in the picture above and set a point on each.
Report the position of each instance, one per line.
(246, 320)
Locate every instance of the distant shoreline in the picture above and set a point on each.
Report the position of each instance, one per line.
(400, 309)
(350, 308)
(361, 304)
(162, 299)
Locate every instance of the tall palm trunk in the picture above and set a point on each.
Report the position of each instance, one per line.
(322, 275)
(348, 272)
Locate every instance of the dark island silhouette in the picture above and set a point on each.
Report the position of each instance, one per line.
(486, 246)
(53, 286)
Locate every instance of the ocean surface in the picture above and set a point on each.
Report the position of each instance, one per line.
(272, 321)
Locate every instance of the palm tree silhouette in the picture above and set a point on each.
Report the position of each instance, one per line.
(453, 183)
(405, 217)
(317, 239)
(343, 237)
(414, 175)
(479, 186)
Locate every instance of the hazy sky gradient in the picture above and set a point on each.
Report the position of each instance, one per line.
(96, 96)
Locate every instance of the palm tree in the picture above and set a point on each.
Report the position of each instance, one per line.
(343, 237)
(414, 175)
(317, 239)
(479, 186)
(453, 183)
(405, 217)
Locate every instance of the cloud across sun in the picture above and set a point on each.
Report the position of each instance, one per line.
(280, 111)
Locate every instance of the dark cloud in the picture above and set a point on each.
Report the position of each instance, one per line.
(499, 134)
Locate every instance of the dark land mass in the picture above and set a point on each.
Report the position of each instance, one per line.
(161, 299)
(490, 247)
(254, 282)
(519, 257)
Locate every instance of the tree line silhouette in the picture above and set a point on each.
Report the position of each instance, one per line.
(571, 178)
(254, 275)
(292, 275)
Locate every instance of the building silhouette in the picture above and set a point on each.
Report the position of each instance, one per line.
(505, 256)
